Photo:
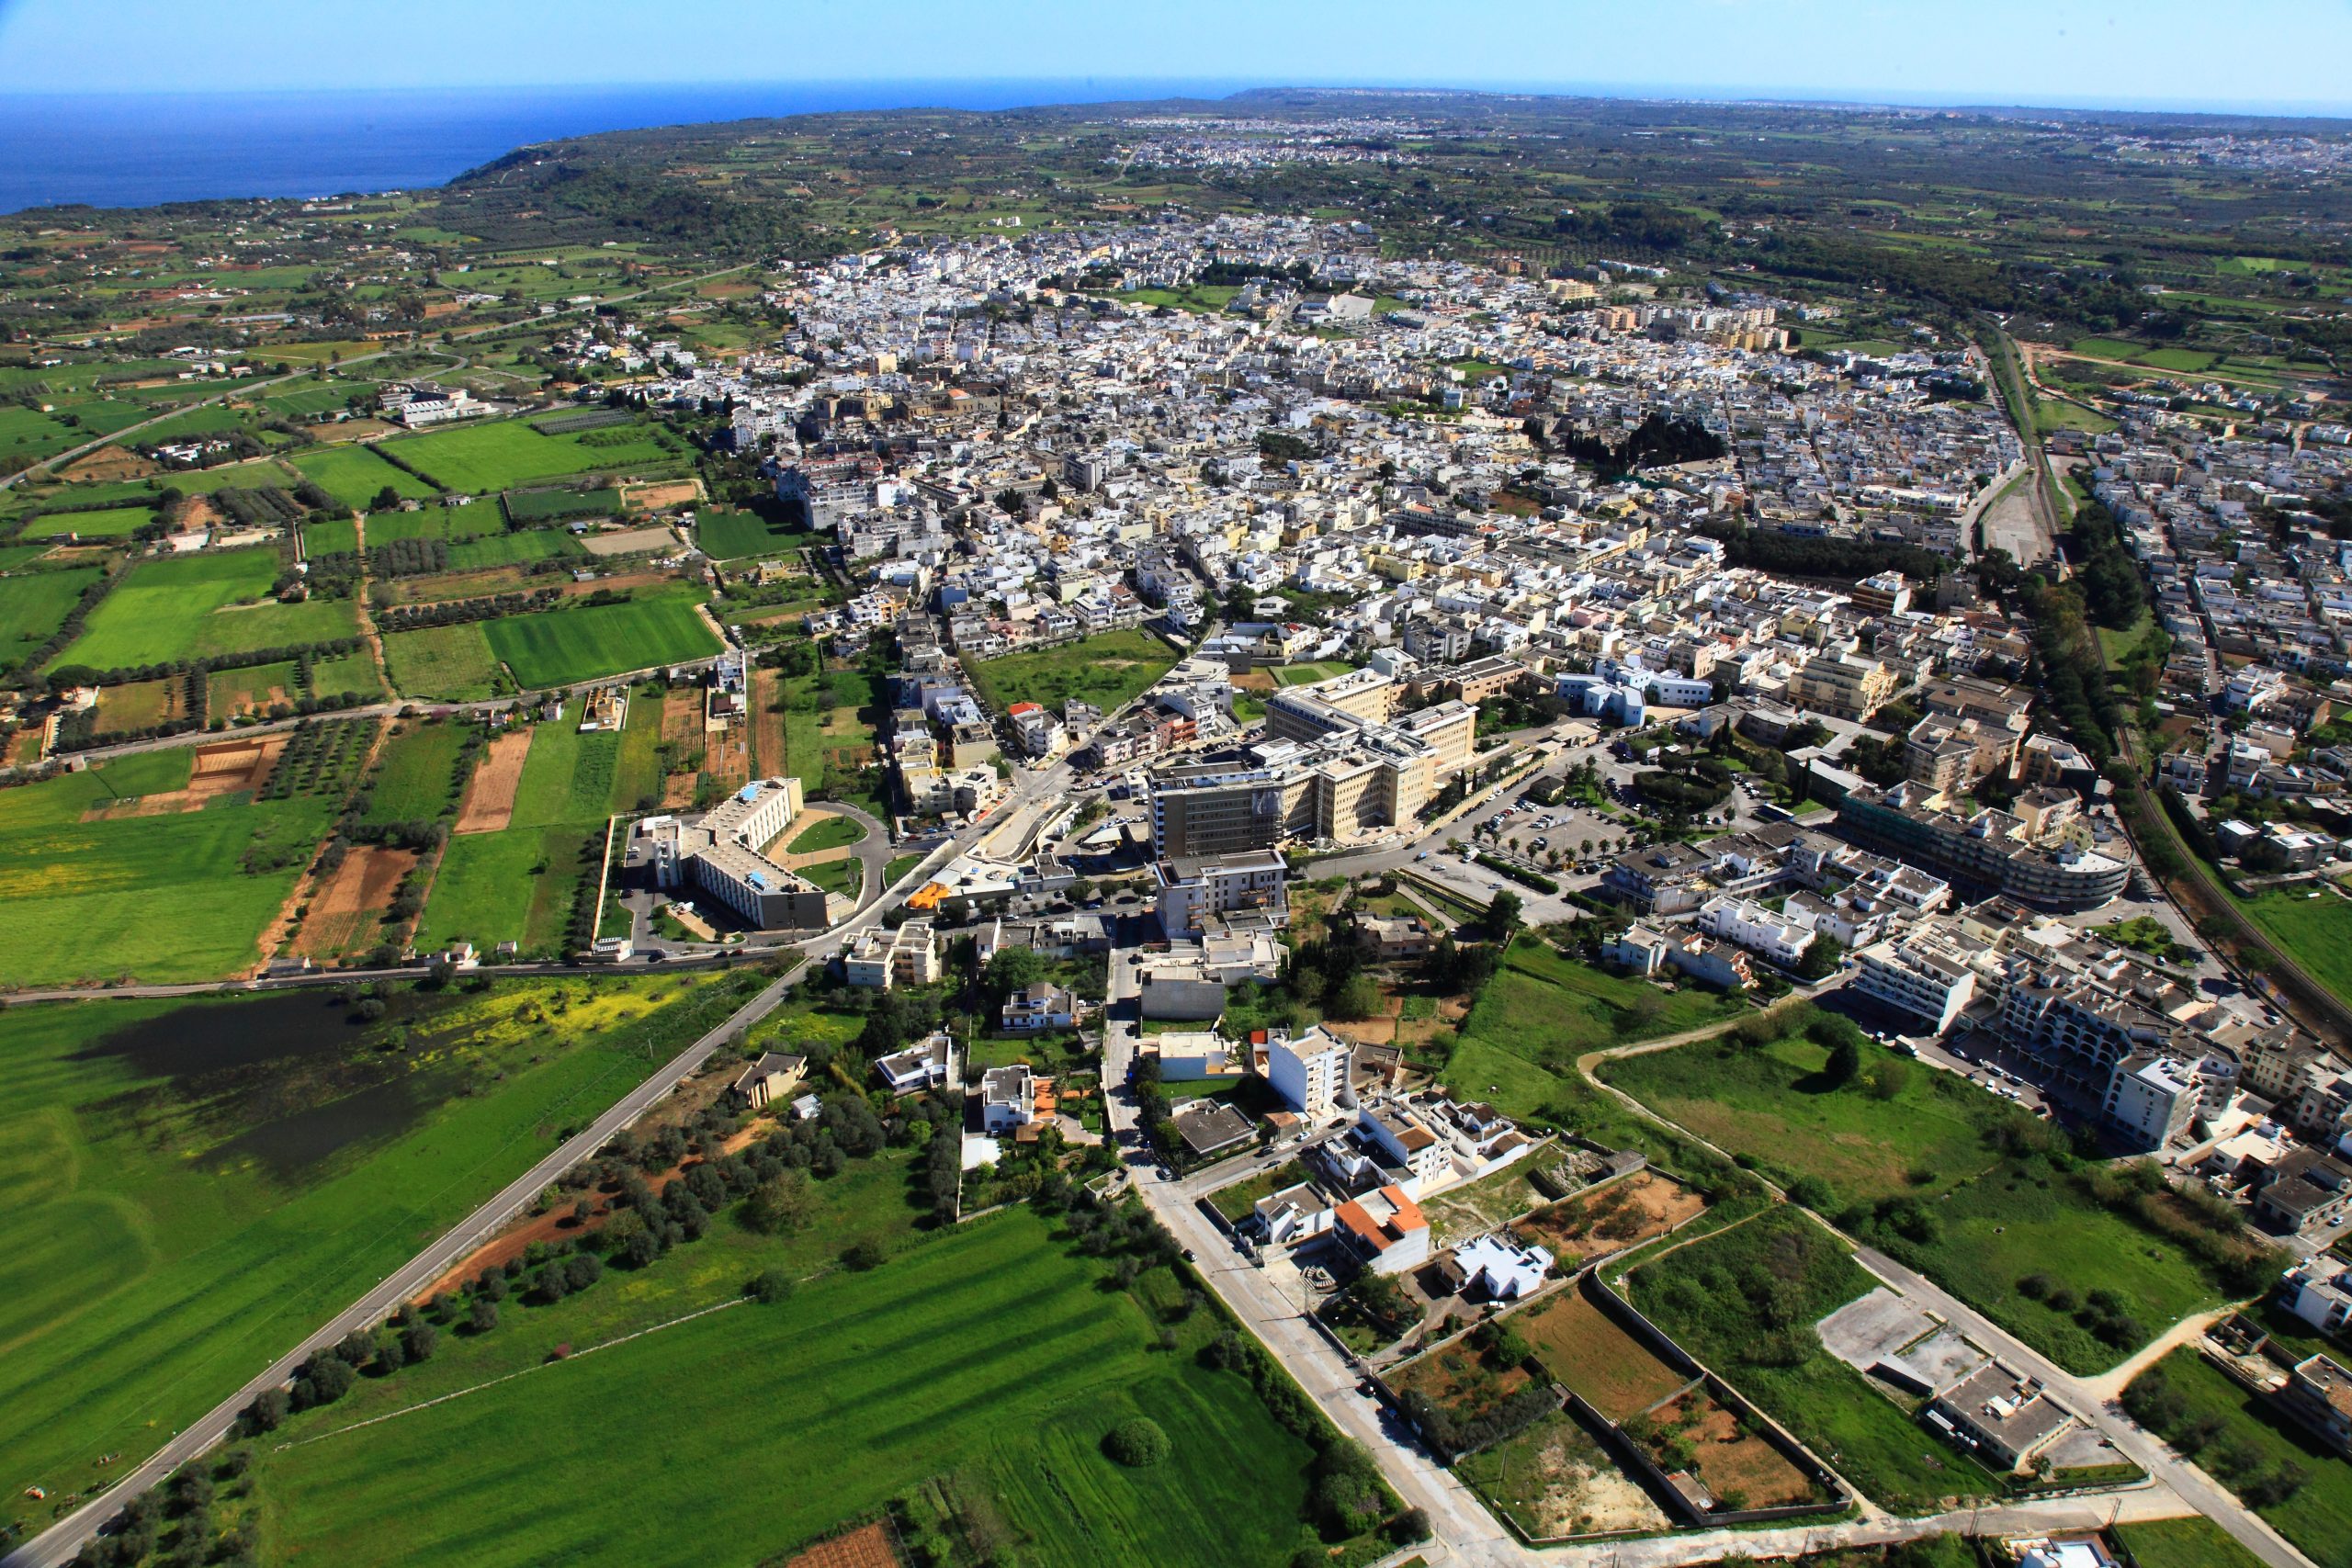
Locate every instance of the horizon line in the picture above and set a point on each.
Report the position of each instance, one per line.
(1219, 89)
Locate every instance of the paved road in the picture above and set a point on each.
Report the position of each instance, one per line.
(61, 1541)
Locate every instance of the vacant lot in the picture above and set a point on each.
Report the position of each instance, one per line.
(1553, 1480)
(558, 648)
(137, 704)
(824, 1389)
(1105, 670)
(2247, 1447)
(355, 476)
(164, 898)
(1736, 1466)
(1585, 1350)
(192, 1187)
(1623, 1214)
(189, 606)
(1744, 1301)
(489, 802)
(1968, 1203)
(33, 605)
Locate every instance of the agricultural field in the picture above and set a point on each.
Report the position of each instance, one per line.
(1954, 1182)
(526, 507)
(518, 884)
(177, 607)
(480, 459)
(453, 663)
(121, 871)
(1106, 671)
(726, 1403)
(317, 397)
(452, 524)
(139, 705)
(355, 476)
(559, 648)
(337, 538)
(725, 533)
(512, 549)
(33, 605)
(1706, 1294)
(190, 1187)
(102, 523)
(416, 773)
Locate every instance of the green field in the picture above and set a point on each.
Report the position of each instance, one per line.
(2247, 1443)
(188, 1188)
(321, 396)
(453, 663)
(1546, 1010)
(1302, 674)
(558, 648)
(34, 604)
(528, 506)
(189, 606)
(338, 538)
(517, 884)
(416, 773)
(1992, 1218)
(2316, 932)
(164, 898)
(1743, 1302)
(350, 673)
(725, 533)
(478, 458)
(990, 1354)
(512, 549)
(1105, 670)
(355, 476)
(106, 522)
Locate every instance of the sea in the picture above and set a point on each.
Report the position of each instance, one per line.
(136, 150)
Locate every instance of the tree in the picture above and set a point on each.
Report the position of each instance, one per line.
(1013, 969)
(483, 1316)
(1503, 916)
(768, 1287)
(779, 1203)
(1358, 997)
(267, 1411)
(1138, 1443)
(1820, 958)
(1845, 1060)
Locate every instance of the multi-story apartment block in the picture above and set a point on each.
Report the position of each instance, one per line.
(1309, 1071)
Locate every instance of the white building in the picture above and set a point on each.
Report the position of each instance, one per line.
(1193, 889)
(1501, 1273)
(1405, 1144)
(1008, 1099)
(1309, 1072)
(882, 958)
(1926, 973)
(1752, 926)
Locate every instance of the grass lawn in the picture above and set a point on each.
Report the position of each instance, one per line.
(191, 1187)
(478, 458)
(34, 604)
(1548, 1010)
(416, 773)
(356, 475)
(2193, 1542)
(451, 662)
(2116, 646)
(832, 833)
(1303, 675)
(1748, 1297)
(2249, 1442)
(1996, 1217)
(900, 865)
(557, 648)
(725, 533)
(846, 877)
(1105, 670)
(189, 606)
(164, 898)
(756, 1428)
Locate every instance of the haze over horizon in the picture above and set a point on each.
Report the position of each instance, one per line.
(2275, 57)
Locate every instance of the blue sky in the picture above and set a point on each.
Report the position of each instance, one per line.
(2286, 55)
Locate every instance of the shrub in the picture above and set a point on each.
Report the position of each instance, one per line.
(768, 1287)
(1138, 1443)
